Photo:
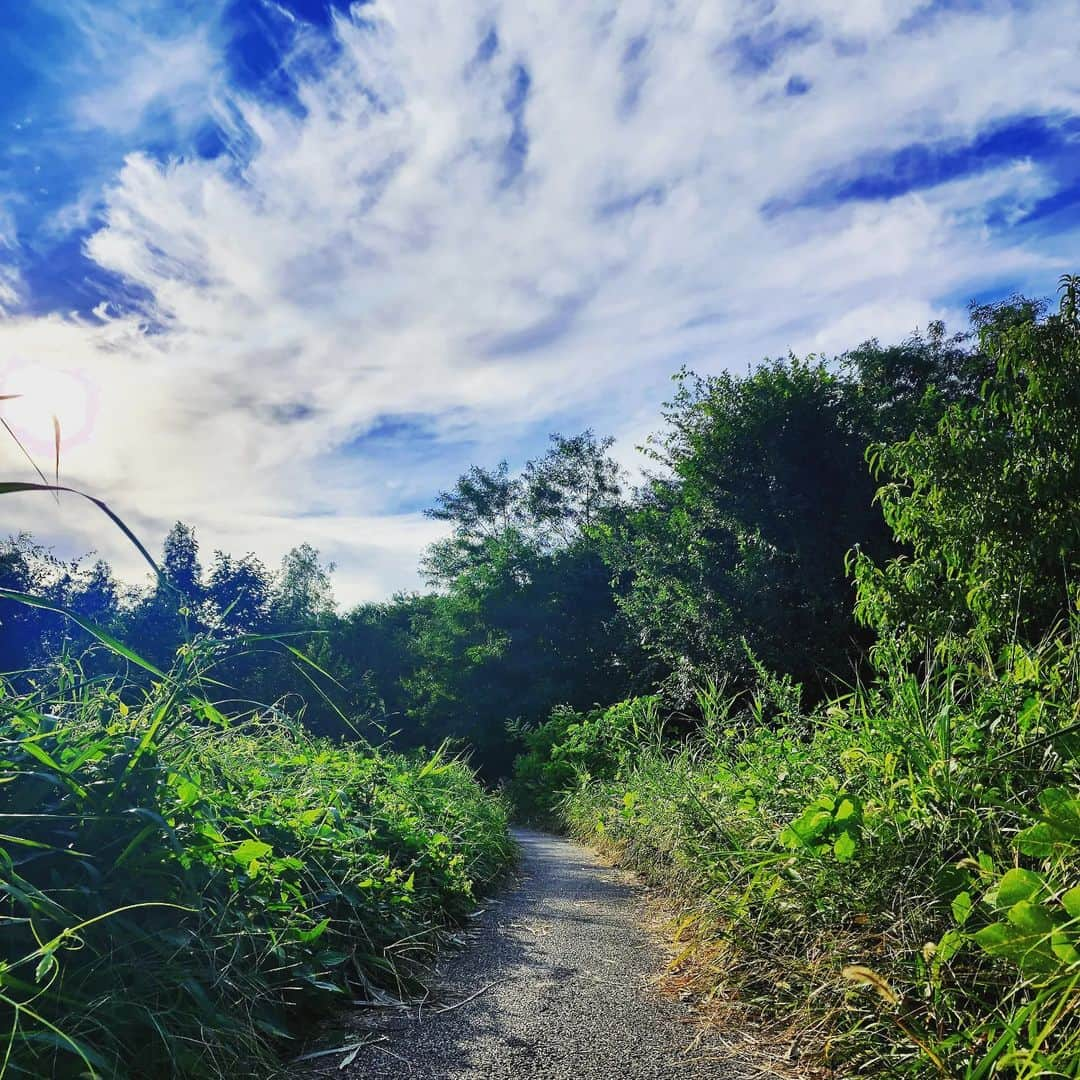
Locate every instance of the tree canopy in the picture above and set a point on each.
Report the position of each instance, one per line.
(560, 583)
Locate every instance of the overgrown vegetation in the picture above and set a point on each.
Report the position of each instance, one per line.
(894, 873)
(891, 877)
(839, 620)
(181, 888)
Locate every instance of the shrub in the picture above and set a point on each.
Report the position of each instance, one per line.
(179, 888)
(985, 503)
(893, 877)
(571, 744)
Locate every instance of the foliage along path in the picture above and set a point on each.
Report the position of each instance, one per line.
(557, 982)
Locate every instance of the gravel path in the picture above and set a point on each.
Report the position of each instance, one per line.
(561, 969)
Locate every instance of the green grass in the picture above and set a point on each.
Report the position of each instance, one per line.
(891, 881)
(181, 890)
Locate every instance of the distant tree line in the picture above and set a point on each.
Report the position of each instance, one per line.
(561, 585)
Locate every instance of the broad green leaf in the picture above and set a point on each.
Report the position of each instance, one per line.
(1063, 947)
(314, 933)
(46, 965)
(250, 850)
(961, 908)
(187, 792)
(1062, 811)
(950, 944)
(1025, 939)
(999, 939)
(1018, 885)
(1038, 841)
(845, 847)
(1034, 920)
(848, 809)
(1070, 901)
(807, 828)
(332, 958)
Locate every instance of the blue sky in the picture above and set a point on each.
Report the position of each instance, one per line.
(286, 268)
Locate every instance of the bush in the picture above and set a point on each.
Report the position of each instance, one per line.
(893, 876)
(180, 888)
(985, 503)
(571, 744)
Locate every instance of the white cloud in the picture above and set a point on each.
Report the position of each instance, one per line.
(9, 274)
(369, 259)
(172, 73)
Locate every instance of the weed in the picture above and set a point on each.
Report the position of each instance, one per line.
(896, 871)
(179, 888)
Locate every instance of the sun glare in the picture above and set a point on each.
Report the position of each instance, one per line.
(43, 393)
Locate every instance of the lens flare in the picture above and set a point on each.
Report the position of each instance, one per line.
(45, 392)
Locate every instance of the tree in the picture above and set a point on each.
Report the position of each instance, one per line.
(906, 387)
(527, 618)
(512, 638)
(302, 595)
(371, 652)
(180, 562)
(557, 497)
(25, 567)
(95, 595)
(570, 488)
(238, 593)
(988, 501)
(169, 612)
(482, 506)
(741, 538)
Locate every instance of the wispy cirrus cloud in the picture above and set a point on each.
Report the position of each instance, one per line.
(370, 245)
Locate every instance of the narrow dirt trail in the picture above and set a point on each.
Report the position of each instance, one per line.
(561, 969)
